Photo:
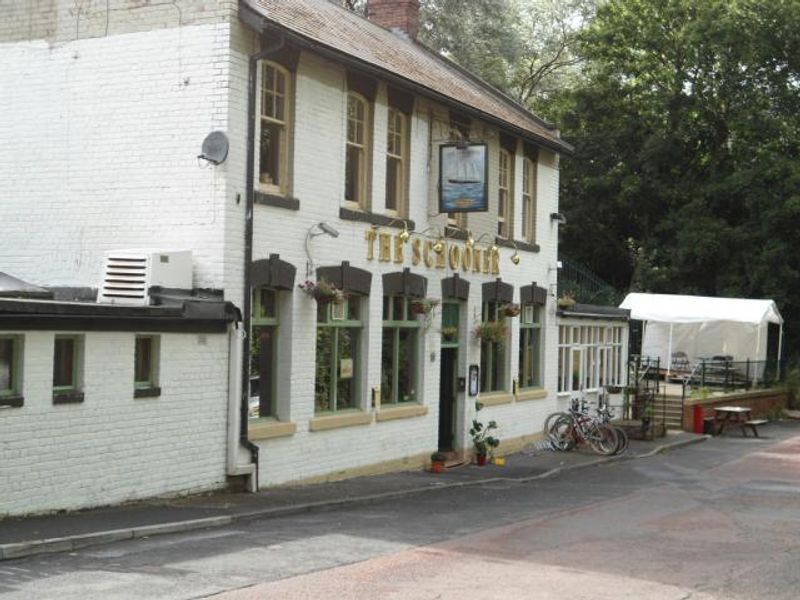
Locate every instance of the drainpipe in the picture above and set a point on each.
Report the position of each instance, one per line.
(266, 50)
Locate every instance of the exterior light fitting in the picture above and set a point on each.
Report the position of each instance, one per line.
(558, 218)
(470, 239)
(515, 258)
(404, 235)
(438, 247)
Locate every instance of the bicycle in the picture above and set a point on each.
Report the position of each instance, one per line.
(575, 427)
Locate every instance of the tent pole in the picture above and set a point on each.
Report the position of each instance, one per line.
(780, 349)
(758, 351)
(669, 355)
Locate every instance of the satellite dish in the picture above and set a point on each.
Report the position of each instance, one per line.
(215, 148)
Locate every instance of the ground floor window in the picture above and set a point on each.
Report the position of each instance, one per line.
(399, 351)
(10, 365)
(146, 362)
(493, 351)
(590, 356)
(263, 345)
(530, 347)
(338, 365)
(67, 364)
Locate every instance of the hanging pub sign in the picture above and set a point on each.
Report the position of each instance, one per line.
(463, 175)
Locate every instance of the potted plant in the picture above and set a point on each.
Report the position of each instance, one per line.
(566, 301)
(511, 309)
(482, 437)
(438, 460)
(449, 333)
(492, 331)
(323, 291)
(424, 306)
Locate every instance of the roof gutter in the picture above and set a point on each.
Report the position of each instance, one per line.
(250, 16)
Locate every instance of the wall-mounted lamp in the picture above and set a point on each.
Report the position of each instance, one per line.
(438, 246)
(558, 218)
(322, 229)
(515, 258)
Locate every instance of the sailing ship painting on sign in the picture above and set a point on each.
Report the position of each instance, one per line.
(462, 178)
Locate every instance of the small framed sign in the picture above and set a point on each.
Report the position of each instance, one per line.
(463, 178)
(474, 379)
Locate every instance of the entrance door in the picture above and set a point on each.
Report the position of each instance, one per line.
(447, 398)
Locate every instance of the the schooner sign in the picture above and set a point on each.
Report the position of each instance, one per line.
(463, 175)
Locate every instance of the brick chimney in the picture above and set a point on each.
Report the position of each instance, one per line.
(395, 15)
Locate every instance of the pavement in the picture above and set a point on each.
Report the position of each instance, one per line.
(67, 532)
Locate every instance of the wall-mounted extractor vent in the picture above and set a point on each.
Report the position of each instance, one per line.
(129, 274)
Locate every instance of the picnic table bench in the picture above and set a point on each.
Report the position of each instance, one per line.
(736, 415)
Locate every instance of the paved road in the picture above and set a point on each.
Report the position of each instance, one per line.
(715, 520)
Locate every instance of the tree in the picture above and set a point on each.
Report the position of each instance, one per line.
(687, 131)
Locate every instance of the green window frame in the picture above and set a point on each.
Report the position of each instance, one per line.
(264, 324)
(399, 351)
(67, 364)
(10, 365)
(145, 363)
(493, 354)
(530, 347)
(451, 324)
(338, 367)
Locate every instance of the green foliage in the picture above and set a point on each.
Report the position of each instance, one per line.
(482, 437)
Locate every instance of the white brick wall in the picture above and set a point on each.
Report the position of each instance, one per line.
(101, 138)
(113, 447)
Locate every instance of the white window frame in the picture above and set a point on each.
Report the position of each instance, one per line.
(282, 187)
(363, 147)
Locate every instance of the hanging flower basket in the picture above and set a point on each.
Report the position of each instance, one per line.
(491, 331)
(323, 292)
(512, 310)
(566, 301)
(424, 306)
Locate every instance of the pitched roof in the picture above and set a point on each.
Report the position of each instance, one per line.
(326, 24)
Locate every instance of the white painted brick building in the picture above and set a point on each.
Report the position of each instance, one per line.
(106, 111)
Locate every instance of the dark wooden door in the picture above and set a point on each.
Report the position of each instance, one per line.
(447, 398)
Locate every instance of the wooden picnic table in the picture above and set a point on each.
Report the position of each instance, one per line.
(736, 415)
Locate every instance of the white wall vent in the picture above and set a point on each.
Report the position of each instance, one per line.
(128, 274)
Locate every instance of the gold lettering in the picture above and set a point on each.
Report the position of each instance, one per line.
(370, 235)
(455, 256)
(496, 262)
(415, 251)
(476, 260)
(440, 259)
(385, 241)
(466, 258)
(399, 250)
(426, 254)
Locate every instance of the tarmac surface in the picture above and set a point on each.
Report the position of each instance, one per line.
(64, 532)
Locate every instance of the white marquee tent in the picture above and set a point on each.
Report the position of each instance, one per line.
(702, 326)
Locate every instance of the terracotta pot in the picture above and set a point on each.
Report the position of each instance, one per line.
(480, 459)
(437, 467)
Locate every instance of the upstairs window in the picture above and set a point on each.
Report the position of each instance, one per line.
(396, 162)
(273, 125)
(505, 205)
(529, 200)
(357, 151)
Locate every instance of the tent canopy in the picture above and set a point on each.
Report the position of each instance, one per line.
(700, 326)
(671, 308)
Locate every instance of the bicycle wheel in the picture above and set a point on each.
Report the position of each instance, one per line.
(562, 434)
(603, 439)
(550, 421)
(622, 444)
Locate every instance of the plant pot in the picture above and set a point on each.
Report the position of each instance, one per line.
(417, 308)
(437, 466)
(480, 459)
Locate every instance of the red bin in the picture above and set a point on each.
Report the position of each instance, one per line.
(698, 418)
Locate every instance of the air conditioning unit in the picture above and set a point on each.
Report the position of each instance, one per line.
(129, 274)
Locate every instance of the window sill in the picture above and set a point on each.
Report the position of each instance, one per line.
(151, 392)
(352, 214)
(338, 421)
(391, 412)
(531, 394)
(267, 199)
(265, 429)
(519, 244)
(11, 401)
(67, 397)
(495, 398)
